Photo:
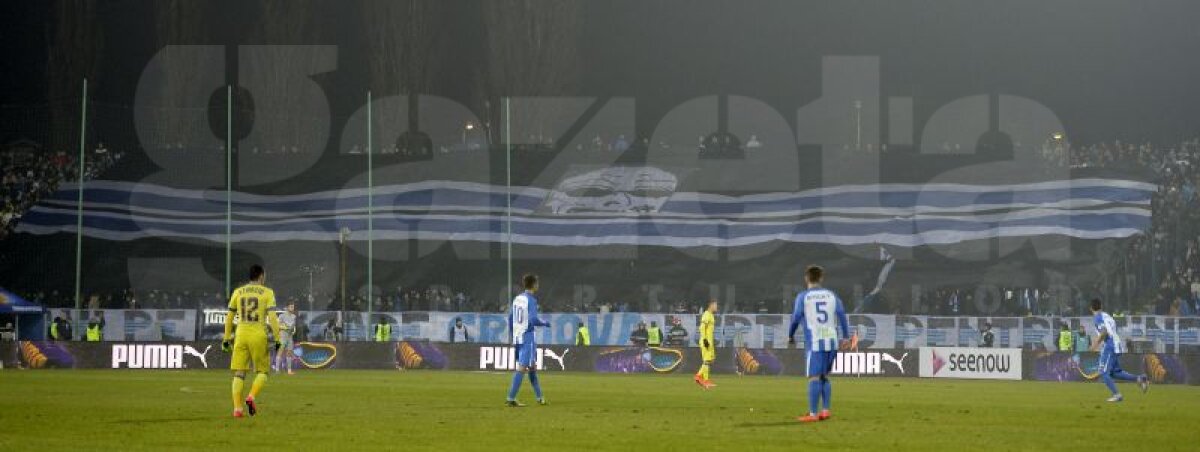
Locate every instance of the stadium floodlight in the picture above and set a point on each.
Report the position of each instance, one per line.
(311, 270)
(343, 235)
(467, 128)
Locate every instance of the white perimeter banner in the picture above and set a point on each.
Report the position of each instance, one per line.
(969, 362)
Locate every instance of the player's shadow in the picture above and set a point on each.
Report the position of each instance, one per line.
(765, 424)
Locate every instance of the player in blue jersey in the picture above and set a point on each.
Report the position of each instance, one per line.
(522, 318)
(818, 309)
(1109, 342)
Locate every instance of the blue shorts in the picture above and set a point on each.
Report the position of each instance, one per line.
(526, 354)
(1109, 362)
(820, 363)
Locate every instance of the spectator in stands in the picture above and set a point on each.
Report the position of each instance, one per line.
(582, 335)
(95, 328)
(302, 331)
(60, 328)
(753, 142)
(677, 335)
(988, 338)
(639, 336)
(654, 335)
(333, 330)
(459, 332)
(1186, 309)
(621, 144)
(1082, 344)
(1065, 338)
(52, 329)
(383, 330)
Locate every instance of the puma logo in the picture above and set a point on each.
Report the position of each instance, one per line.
(188, 350)
(557, 357)
(898, 362)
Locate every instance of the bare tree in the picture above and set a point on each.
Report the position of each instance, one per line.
(532, 49)
(402, 48)
(75, 41)
(285, 25)
(178, 22)
(402, 43)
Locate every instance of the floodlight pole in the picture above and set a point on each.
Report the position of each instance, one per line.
(228, 188)
(311, 270)
(508, 189)
(370, 217)
(858, 125)
(343, 235)
(79, 206)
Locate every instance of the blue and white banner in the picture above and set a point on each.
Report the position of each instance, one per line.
(875, 331)
(1160, 334)
(578, 214)
(134, 324)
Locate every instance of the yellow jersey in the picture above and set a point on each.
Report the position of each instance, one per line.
(251, 303)
(707, 322)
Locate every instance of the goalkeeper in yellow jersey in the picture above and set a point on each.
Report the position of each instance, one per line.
(253, 304)
(708, 344)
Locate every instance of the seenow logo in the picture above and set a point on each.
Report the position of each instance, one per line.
(982, 363)
(155, 356)
(967, 362)
(938, 362)
(505, 358)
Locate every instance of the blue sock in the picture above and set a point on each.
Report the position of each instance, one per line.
(1108, 381)
(516, 385)
(1123, 375)
(814, 395)
(826, 390)
(537, 387)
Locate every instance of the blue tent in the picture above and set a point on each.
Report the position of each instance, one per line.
(30, 316)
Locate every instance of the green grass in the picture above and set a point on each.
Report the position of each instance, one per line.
(426, 410)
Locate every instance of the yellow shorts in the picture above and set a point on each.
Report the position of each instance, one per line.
(708, 353)
(250, 348)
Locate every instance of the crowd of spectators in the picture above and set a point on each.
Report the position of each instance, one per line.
(30, 172)
(720, 144)
(1160, 270)
(435, 298)
(1001, 301)
(219, 148)
(1155, 272)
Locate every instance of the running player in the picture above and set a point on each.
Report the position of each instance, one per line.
(1111, 347)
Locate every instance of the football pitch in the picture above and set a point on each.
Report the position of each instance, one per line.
(426, 410)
